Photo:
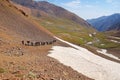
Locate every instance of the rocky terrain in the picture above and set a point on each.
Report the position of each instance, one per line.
(28, 31)
(20, 62)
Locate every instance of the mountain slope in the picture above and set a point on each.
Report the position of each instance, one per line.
(20, 62)
(106, 23)
(16, 21)
(59, 21)
(115, 26)
(52, 10)
(63, 26)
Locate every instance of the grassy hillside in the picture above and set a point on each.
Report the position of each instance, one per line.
(66, 28)
(75, 33)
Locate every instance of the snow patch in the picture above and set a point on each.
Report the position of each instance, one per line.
(49, 22)
(104, 51)
(85, 62)
(115, 41)
(89, 43)
(94, 33)
(114, 37)
(90, 35)
(102, 44)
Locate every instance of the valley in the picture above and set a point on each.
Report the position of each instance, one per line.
(42, 41)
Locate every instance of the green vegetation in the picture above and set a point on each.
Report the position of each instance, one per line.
(105, 42)
(31, 75)
(2, 70)
(67, 30)
(19, 75)
(75, 33)
(21, 68)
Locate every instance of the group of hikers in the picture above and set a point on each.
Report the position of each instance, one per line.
(29, 43)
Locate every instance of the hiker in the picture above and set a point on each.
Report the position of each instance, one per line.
(32, 44)
(50, 42)
(37, 43)
(23, 42)
(54, 40)
(42, 43)
(28, 43)
(47, 43)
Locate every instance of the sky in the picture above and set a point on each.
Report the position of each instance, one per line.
(89, 9)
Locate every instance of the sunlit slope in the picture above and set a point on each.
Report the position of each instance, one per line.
(77, 34)
(19, 23)
(65, 26)
(66, 29)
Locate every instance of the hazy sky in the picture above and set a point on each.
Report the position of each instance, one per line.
(88, 9)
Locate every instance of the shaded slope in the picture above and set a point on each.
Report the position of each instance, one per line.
(16, 21)
(115, 26)
(106, 23)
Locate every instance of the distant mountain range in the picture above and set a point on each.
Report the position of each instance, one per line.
(106, 23)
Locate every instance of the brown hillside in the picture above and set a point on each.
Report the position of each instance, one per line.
(52, 10)
(19, 62)
(30, 11)
(19, 23)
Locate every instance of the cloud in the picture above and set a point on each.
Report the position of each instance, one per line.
(74, 3)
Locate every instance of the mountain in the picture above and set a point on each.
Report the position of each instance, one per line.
(115, 26)
(20, 62)
(64, 24)
(59, 21)
(106, 23)
(17, 21)
(52, 10)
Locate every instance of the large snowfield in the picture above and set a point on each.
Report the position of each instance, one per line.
(86, 62)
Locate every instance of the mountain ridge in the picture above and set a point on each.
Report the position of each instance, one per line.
(53, 10)
(106, 23)
(59, 21)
